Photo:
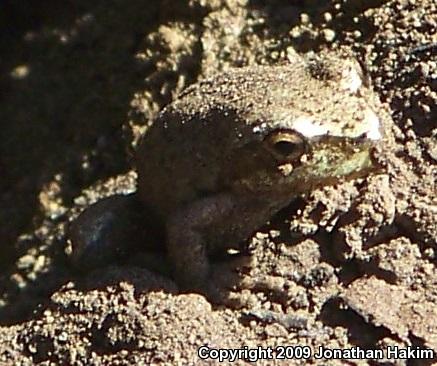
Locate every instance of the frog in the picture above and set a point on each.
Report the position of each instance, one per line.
(231, 151)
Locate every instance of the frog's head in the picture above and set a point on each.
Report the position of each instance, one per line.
(289, 161)
(316, 137)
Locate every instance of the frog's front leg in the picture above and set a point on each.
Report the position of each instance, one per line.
(190, 241)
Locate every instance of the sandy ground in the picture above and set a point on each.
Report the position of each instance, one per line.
(349, 266)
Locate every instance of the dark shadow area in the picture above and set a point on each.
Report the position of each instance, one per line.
(67, 75)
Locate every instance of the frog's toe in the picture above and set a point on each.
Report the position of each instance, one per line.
(228, 279)
(106, 231)
(229, 273)
(231, 298)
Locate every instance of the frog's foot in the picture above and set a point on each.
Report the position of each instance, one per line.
(220, 282)
(227, 281)
(108, 231)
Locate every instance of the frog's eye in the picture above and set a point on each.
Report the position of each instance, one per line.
(285, 146)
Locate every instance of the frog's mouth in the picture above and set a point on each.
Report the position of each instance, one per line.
(328, 161)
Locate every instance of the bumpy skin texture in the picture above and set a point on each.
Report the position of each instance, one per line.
(232, 150)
